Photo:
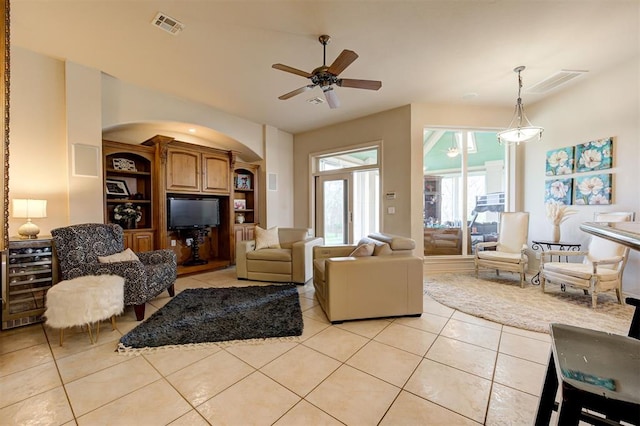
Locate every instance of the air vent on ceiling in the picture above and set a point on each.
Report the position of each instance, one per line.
(315, 101)
(167, 23)
(555, 80)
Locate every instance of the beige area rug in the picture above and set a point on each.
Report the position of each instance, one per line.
(501, 299)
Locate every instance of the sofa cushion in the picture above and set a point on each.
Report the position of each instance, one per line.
(267, 238)
(396, 242)
(380, 248)
(124, 256)
(500, 256)
(270, 254)
(363, 250)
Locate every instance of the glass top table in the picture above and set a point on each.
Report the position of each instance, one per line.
(597, 370)
(626, 233)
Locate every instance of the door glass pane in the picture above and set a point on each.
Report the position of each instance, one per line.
(345, 160)
(366, 203)
(335, 212)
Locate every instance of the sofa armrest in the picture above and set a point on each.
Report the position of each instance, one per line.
(302, 259)
(325, 252)
(376, 286)
(155, 257)
(242, 248)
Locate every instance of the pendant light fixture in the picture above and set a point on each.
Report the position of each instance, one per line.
(453, 151)
(520, 129)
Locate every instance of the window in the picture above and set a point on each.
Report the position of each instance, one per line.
(457, 187)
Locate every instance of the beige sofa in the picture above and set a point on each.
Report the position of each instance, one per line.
(291, 263)
(386, 284)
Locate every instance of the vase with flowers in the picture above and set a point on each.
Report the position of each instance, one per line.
(558, 213)
(127, 215)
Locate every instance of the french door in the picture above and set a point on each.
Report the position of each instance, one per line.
(334, 208)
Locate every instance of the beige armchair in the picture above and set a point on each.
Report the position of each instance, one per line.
(291, 262)
(386, 283)
(601, 268)
(509, 251)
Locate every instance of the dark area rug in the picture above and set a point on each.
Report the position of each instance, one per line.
(209, 315)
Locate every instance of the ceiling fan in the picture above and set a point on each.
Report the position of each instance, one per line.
(327, 76)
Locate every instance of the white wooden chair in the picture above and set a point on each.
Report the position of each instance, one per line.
(509, 253)
(601, 268)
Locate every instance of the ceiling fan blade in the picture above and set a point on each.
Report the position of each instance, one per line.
(360, 84)
(332, 97)
(292, 70)
(342, 62)
(296, 92)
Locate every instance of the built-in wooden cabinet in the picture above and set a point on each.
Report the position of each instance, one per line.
(139, 240)
(162, 167)
(192, 171)
(129, 180)
(245, 202)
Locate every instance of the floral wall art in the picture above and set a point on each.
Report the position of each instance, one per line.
(558, 191)
(559, 161)
(593, 189)
(594, 155)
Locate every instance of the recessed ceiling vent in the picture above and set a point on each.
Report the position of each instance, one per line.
(555, 80)
(167, 23)
(315, 101)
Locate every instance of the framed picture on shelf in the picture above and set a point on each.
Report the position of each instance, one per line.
(117, 187)
(239, 204)
(243, 181)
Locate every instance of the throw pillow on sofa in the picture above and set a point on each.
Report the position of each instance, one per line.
(267, 238)
(125, 256)
(363, 250)
(379, 248)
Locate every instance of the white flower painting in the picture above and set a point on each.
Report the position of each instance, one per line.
(594, 155)
(593, 190)
(558, 191)
(560, 161)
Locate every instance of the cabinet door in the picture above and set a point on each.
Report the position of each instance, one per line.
(142, 241)
(215, 176)
(183, 171)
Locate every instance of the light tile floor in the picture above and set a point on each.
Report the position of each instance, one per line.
(444, 368)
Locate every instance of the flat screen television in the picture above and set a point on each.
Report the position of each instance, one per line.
(192, 213)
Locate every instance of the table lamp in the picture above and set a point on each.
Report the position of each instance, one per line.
(29, 209)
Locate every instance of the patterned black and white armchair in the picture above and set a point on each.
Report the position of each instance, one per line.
(97, 249)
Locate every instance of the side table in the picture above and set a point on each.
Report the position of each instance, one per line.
(543, 245)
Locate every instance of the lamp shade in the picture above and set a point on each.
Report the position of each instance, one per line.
(30, 209)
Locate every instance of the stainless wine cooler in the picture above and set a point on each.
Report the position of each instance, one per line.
(29, 269)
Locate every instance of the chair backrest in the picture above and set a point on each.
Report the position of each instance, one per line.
(288, 236)
(600, 248)
(77, 244)
(514, 231)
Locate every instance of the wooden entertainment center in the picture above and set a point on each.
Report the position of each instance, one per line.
(146, 175)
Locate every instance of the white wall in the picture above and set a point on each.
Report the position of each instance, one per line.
(127, 103)
(84, 134)
(57, 105)
(38, 150)
(600, 106)
(401, 133)
(278, 161)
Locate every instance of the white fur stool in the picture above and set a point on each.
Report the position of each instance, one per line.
(84, 301)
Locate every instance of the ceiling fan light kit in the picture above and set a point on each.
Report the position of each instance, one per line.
(326, 77)
(520, 128)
